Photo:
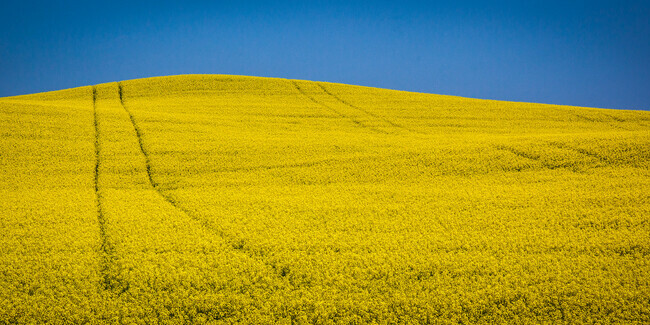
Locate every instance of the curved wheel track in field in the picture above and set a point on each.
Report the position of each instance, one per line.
(378, 117)
(584, 152)
(526, 155)
(337, 112)
(235, 243)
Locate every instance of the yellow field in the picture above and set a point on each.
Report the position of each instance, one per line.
(258, 200)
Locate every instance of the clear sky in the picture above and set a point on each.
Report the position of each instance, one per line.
(585, 53)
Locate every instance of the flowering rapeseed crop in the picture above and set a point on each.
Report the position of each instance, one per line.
(241, 199)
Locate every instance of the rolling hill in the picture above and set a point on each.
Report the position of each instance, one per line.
(216, 198)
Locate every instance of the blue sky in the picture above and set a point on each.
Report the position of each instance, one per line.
(584, 53)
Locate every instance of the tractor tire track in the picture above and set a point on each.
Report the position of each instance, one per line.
(526, 156)
(357, 122)
(609, 123)
(110, 281)
(283, 166)
(235, 243)
(579, 150)
(519, 153)
(379, 117)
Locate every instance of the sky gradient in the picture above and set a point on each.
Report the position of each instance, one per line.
(583, 53)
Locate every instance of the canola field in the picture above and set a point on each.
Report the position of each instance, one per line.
(226, 199)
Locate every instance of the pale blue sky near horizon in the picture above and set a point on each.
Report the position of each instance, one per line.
(582, 53)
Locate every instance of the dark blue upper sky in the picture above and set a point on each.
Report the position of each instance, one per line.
(585, 53)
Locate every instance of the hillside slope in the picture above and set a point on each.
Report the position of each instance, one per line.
(242, 199)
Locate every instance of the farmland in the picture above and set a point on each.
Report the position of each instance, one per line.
(220, 199)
